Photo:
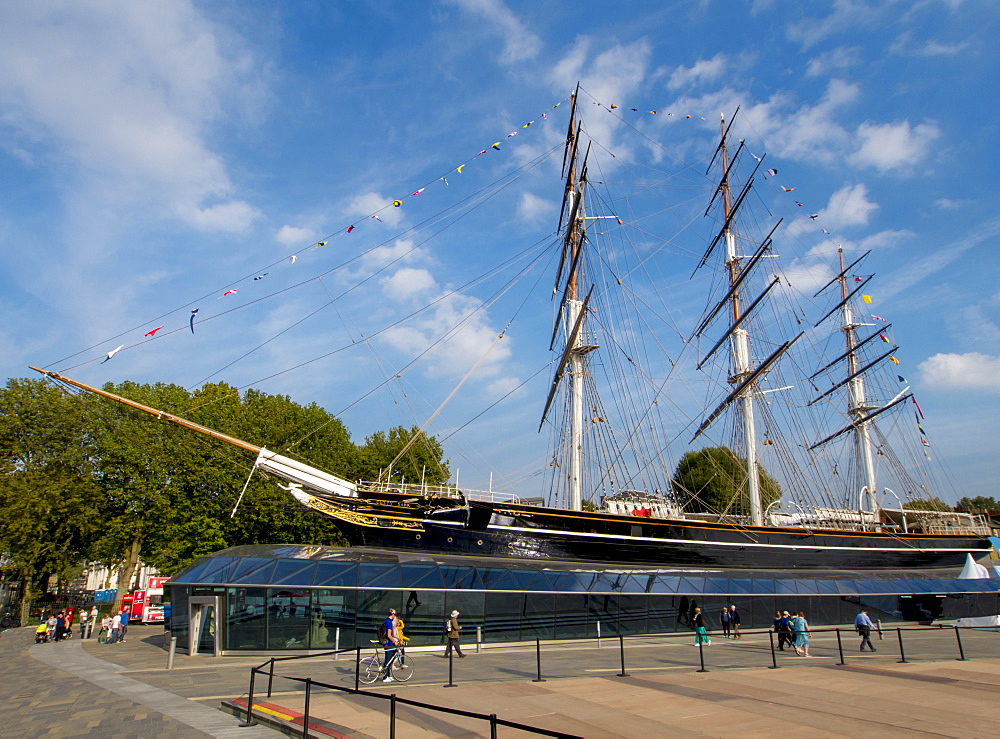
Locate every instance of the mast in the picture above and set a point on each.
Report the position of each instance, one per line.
(574, 320)
(858, 405)
(740, 343)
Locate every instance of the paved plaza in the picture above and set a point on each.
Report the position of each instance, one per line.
(79, 688)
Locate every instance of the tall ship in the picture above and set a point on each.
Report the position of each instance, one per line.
(756, 360)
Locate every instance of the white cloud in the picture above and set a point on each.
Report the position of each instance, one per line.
(703, 70)
(894, 145)
(125, 93)
(533, 209)
(849, 206)
(904, 45)
(294, 236)
(845, 15)
(373, 203)
(519, 43)
(842, 57)
(408, 282)
(970, 371)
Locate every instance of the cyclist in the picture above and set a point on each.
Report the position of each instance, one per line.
(389, 637)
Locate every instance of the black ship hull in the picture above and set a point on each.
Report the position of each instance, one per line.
(443, 525)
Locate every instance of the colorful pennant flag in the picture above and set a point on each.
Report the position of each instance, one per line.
(153, 332)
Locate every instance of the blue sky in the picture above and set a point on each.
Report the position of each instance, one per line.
(155, 156)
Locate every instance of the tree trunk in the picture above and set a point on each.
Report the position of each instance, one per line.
(128, 572)
(27, 582)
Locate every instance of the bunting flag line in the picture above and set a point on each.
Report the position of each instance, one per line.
(261, 276)
(193, 314)
(866, 298)
(919, 410)
(879, 318)
(884, 338)
(350, 228)
(112, 353)
(893, 360)
(152, 332)
(901, 379)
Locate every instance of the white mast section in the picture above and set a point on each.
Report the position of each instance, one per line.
(740, 346)
(858, 405)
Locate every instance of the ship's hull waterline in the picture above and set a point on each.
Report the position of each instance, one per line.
(397, 521)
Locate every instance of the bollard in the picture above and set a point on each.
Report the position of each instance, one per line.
(171, 652)
(249, 721)
(305, 710)
(902, 654)
(392, 716)
(774, 657)
(538, 659)
(336, 644)
(451, 659)
(270, 677)
(961, 652)
(357, 671)
(493, 726)
(701, 655)
(598, 634)
(878, 626)
(621, 647)
(840, 647)
(479, 639)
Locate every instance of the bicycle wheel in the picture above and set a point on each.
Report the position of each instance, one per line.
(402, 668)
(370, 669)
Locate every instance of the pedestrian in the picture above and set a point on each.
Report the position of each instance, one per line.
(801, 628)
(724, 620)
(51, 627)
(863, 625)
(116, 629)
(104, 636)
(700, 630)
(413, 598)
(783, 625)
(734, 622)
(124, 630)
(390, 642)
(682, 610)
(453, 634)
(60, 626)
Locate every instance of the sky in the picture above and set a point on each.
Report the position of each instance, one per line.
(155, 156)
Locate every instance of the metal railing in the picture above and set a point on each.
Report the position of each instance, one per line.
(953, 633)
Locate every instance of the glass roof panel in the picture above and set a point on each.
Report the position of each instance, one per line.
(206, 572)
(336, 574)
(826, 587)
(807, 587)
(763, 586)
(691, 585)
(259, 575)
(302, 578)
(246, 565)
(371, 574)
(455, 577)
(504, 580)
(285, 568)
(525, 579)
(716, 585)
(740, 585)
(847, 587)
(570, 582)
(422, 576)
(786, 587)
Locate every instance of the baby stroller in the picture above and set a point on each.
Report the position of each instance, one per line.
(42, 633)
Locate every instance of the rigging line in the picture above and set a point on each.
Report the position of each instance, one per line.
(430, 349)
(447, 400)
(512, 174)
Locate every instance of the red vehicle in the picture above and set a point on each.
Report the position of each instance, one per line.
(146, 606)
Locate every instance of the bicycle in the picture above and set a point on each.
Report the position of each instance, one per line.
(371, 666)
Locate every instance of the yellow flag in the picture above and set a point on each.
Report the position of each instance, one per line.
(866, 298)
(459, 168)
(893, 360)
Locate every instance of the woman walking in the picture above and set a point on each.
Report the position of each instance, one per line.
(700, 632)
(801, 629)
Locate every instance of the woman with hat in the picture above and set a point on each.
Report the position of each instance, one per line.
(453, 629)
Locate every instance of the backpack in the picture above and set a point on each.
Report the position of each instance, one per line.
(447, 625)
(383, 634)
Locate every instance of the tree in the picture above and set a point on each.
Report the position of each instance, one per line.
(931, 504)
(979, 503)
(48, 495)
(421, 462)
(714, 480)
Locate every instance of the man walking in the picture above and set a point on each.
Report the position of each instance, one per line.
(863, 625)
(734, 622)
(390, 644)
(124, 620)
(116, 629)
(453, 629)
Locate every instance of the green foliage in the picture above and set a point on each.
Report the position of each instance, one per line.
(422, 462)
(978, 503)
(85, 477)
(714, 480)
(933, 504)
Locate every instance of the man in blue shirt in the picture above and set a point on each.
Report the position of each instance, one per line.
(390, 644)
(863, 625)
(121, 634)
